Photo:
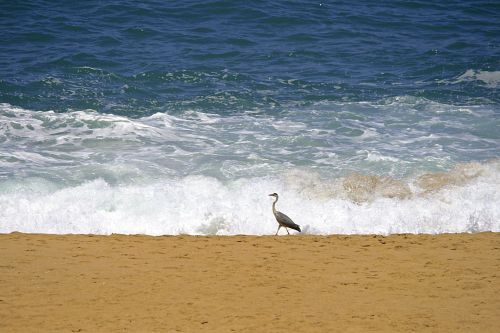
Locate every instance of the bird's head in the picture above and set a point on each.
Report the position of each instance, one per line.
(273, 195)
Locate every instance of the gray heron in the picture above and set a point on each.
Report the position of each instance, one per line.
(283, 220)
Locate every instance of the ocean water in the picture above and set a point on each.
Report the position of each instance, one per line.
(180, 117)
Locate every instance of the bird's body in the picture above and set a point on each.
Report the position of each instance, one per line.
(282, 219)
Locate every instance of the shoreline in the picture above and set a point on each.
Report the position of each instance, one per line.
(305, 283)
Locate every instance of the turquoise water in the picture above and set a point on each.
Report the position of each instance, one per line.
(164, 118)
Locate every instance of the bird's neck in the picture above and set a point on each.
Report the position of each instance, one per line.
(274, 205)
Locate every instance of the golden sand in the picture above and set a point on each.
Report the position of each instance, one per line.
(420, 283)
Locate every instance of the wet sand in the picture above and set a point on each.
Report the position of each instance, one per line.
(79, 283)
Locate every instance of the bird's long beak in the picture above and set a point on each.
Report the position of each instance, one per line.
(271, 195)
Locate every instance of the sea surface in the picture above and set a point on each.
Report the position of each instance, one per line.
(180, 117)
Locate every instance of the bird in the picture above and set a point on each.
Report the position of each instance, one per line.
(283, 220)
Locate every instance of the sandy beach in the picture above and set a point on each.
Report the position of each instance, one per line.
(82, 283)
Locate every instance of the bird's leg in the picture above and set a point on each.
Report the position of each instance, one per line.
(279, 226)
(287, 230)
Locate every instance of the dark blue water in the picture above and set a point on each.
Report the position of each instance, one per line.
(135, 59)
(171, 117)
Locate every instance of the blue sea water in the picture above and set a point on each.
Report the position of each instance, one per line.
(168, 117)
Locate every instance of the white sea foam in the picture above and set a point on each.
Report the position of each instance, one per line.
(377, 157)
(342, 168)
(198, 143)
(462, 201)
(491, 79)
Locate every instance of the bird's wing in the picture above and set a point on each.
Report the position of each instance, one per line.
(285, 220)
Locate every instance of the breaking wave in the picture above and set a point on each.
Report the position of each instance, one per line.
(463, 200)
